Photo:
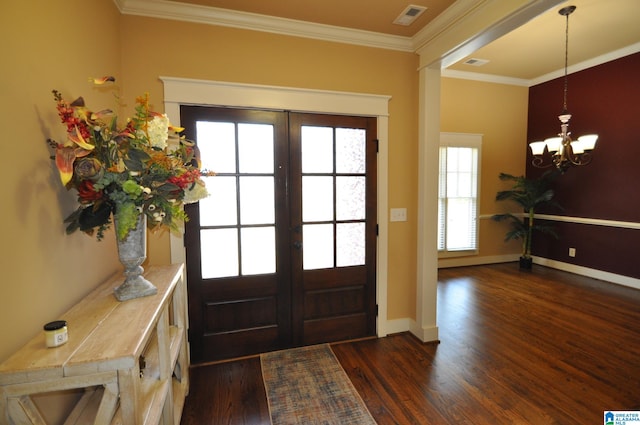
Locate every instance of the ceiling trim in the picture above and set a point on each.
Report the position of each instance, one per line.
(500, 79)
(166, 9)
(443, 21)
(589, 63)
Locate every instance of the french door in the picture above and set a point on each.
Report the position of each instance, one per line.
(283, 252)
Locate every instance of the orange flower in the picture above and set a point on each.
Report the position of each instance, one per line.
(102, 80)
(76, 137)
(65, 157)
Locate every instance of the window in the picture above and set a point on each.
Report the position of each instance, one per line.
(458, 193)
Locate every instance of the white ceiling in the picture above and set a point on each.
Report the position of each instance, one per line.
(599, 30)
(603, 29)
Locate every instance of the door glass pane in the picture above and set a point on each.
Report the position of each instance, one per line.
(257, 200)
(217, 145)
(350, 150)
(258, 250)
(318, 246)
(219, 250)
(350, 198)
(255, 148)
(220, 208)
(317, 198)
(350, 241)
(317, 149)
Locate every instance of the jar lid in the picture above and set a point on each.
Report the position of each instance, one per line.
(57, 324)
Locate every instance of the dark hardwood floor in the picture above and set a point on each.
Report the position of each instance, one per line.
(545, 347)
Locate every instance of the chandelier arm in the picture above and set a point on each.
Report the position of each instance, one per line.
(585, 158)
(538, 162)
(579, 159)
(559, 160)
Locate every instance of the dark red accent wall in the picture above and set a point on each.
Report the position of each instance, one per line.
(605, 100)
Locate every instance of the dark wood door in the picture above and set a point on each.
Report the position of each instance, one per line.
(333, 218)
(282, 253)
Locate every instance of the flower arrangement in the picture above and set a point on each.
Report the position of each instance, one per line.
(144, 167)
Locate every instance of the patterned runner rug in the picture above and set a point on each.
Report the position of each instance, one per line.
(308, 386)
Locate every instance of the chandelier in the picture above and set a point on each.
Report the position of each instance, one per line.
(564, 151)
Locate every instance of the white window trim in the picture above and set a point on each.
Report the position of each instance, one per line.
(183, 91)
(470, 140)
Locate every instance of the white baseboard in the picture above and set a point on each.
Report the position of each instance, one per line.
(424, 334)
(585, 271)
(396, 326)
(444, 263)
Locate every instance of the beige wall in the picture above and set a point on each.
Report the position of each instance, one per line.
(55, 44)
(499, 113)
(69, 41)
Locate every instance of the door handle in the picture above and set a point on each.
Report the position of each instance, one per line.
(297, 245)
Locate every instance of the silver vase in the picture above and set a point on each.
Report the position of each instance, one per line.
(132, 252)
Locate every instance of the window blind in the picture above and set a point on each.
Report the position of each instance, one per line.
(458, 192)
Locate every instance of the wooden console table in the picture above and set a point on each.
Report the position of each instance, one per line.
(130, 357)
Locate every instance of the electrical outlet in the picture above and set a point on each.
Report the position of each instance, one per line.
(572, 252)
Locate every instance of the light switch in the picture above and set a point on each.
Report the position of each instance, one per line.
(398, 214)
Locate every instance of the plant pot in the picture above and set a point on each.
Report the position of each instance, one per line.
(132, 251)
(526, 263)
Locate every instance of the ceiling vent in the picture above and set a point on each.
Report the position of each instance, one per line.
(476, 62)
(409, 14)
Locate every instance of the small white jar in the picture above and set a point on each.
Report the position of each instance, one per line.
(56, 333)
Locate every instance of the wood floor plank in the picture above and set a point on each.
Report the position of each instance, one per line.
(545, 347)
(227, 393)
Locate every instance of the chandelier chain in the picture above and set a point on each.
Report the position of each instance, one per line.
(566, 63)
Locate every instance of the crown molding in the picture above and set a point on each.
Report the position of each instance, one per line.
(499, 79)
(166, 9)
(590, 63)
(119, 4)
(443, 21)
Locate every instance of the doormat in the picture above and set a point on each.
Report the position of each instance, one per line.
(308, 386)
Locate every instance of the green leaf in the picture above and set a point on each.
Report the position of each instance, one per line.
(126, 219)
(167, 188)
(138, 155)
(133, 164)
(94, 217)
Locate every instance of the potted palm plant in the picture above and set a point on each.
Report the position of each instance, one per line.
(528, 193)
